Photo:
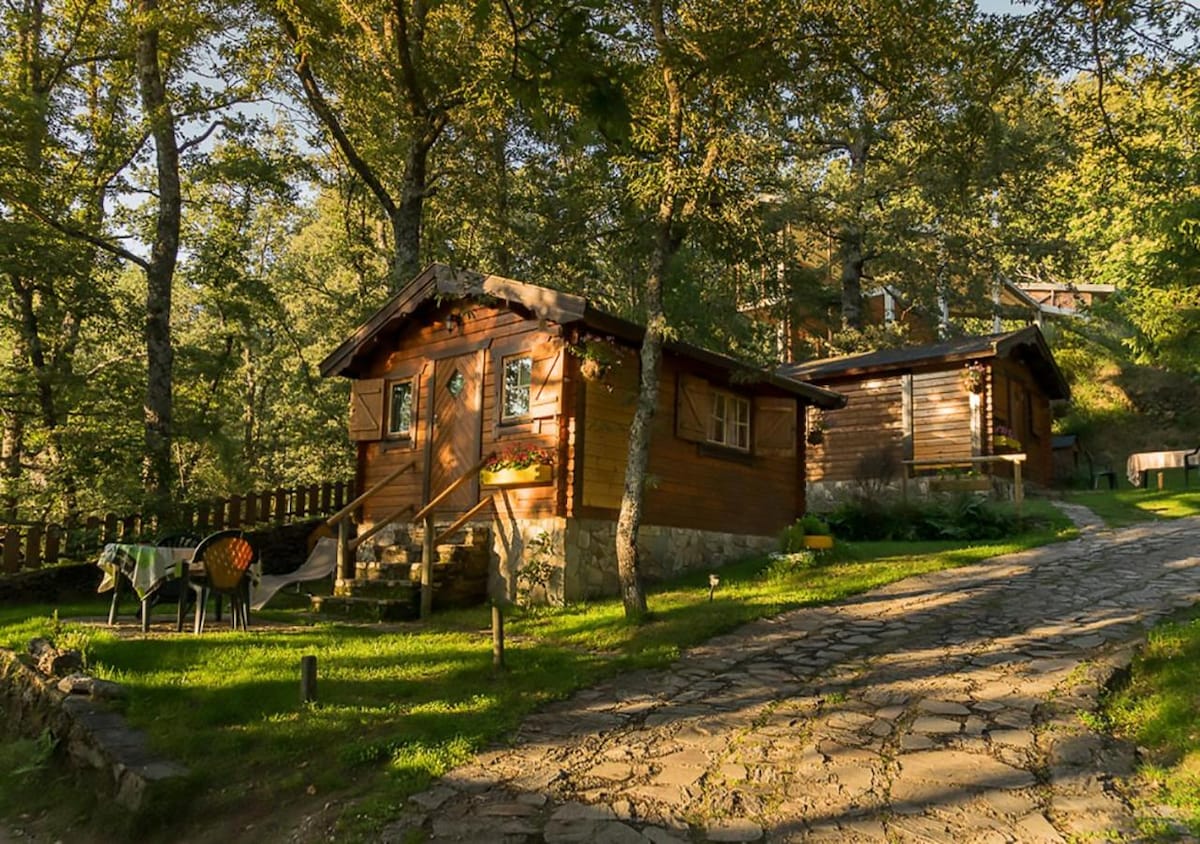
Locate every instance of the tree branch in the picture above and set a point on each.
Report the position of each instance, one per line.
(78, 234)
(325, 113)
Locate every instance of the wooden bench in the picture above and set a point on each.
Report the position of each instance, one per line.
(971, 462)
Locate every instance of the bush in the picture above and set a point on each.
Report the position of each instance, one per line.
(792, 539)
(964, 518)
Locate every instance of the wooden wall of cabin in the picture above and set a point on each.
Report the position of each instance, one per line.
(487, 335)
(864, 440)
(1018, 403)
(941, 411)
(691, 485)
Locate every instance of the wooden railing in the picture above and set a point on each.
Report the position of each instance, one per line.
(1015, 460)
(347, 548)
(33, 545)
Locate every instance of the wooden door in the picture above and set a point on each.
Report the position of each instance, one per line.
(457, 391)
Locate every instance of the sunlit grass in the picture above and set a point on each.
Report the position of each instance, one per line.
(1159, 709)
(398, 706)
(1127, 506)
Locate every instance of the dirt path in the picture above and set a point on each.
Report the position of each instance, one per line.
(940, 708)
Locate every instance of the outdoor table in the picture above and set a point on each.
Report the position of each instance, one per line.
(1142, 463)
(144, 566)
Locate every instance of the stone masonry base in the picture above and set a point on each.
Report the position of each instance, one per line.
(556, 560)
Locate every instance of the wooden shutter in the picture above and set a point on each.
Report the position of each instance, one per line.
(545, 380)
(366, 409)
(693, 407)
(775, 427)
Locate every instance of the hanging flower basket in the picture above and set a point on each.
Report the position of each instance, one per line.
(974, 377)
(594, 370)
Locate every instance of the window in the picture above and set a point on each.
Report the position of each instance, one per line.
(729, 424)
(514, 392)
(400, 408)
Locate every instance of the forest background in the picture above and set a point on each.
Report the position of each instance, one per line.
(199, 201)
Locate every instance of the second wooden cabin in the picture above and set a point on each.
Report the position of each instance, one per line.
(968, 397)
(460, 365)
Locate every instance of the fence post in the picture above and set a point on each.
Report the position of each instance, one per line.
(110, 529)
(12, 549)
(218, 521)
(264, 507)
(33, 547)
(326, 498)
(53, 540)
(314, 494)
(235, 511)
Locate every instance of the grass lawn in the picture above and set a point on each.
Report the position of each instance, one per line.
(399, 705)
(1159, 710)
(1126, 506)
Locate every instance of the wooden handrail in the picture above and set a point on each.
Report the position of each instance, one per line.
(349, 508)
(463, 519)
(459, 481)
(378, 526)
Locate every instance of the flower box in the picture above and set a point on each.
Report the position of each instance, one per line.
(819, 542)
(538, 473)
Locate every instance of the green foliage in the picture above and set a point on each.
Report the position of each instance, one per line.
(792, 538)
(962, 518)
(1158, 709)
(787, 565)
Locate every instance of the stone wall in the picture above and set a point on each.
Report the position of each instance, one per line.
(665, 552)
(89, 736)
(529, 560)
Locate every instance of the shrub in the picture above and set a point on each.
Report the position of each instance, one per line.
(785, 566)
(792, 539)
(964, 518)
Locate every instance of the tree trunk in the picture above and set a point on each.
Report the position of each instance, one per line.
(409, 213)
(666, 243)
(852, 273)
(160, 272)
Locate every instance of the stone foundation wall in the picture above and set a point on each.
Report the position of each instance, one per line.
(591, 562)
(529, 560)
(558, 560)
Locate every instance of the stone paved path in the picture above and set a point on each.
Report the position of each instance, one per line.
(940, 708)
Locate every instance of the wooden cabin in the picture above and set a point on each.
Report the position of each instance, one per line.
(459, 365)
(969, 397)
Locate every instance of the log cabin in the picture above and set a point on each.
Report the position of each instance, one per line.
(963, 398)
(459, 366)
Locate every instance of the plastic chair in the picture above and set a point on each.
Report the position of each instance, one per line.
(227, 557)
(1100, 470)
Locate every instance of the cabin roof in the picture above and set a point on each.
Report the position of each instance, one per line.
(1025, 344)
(440, 282)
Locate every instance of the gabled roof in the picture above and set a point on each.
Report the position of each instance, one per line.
(1026, 344)
(438, 282)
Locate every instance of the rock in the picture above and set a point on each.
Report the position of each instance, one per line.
(83, 684)
(54, 662)
(734, 829)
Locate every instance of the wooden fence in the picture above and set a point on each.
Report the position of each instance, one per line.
(31, 546)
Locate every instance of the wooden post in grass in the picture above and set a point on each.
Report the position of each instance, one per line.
(497, 637)
(308, 679)
(427, 551)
